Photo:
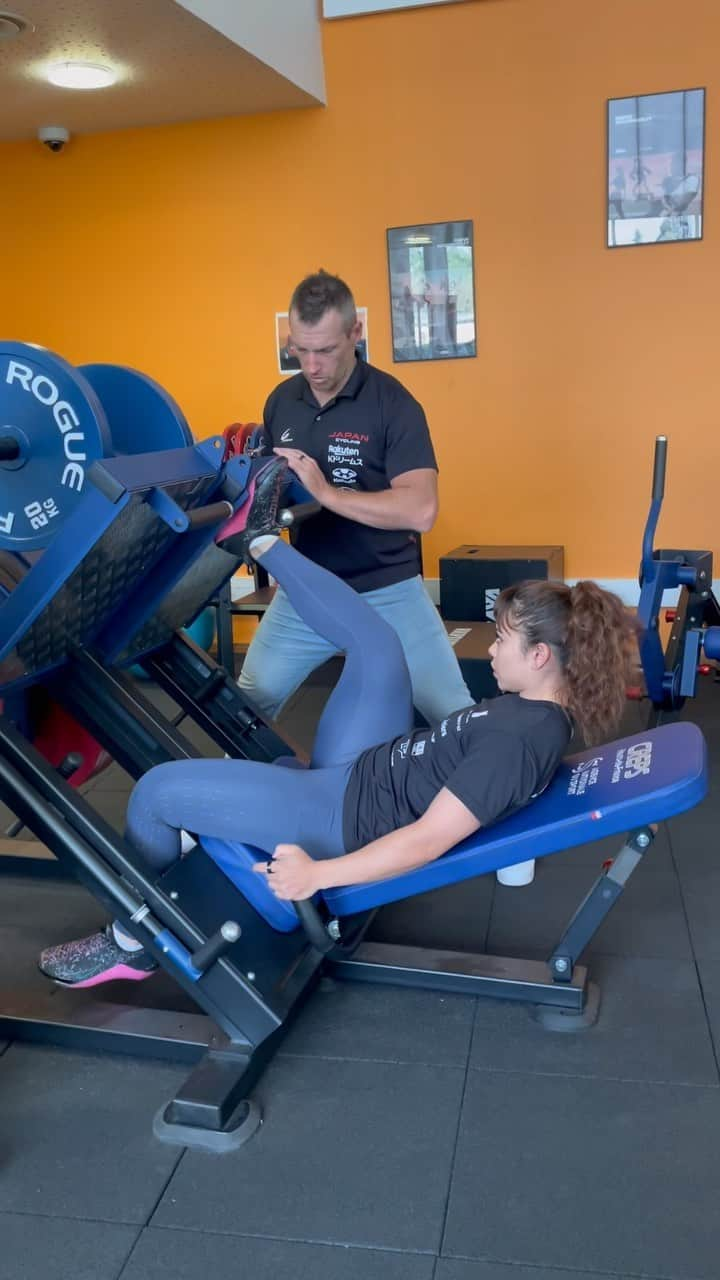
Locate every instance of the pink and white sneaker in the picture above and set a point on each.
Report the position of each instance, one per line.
(87, 962)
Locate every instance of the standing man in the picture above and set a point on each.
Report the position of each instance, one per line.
(359, 443)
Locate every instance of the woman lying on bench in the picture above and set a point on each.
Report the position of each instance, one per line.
(378, 799)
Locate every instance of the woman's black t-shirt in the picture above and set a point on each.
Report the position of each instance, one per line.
(495, 757)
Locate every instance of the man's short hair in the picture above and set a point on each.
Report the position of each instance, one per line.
(322, 292)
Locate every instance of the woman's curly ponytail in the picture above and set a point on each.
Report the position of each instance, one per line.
(599, 652)
(591, 634)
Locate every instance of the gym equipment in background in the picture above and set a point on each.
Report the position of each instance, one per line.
(471, 642)
(671, 671)
(471, 577)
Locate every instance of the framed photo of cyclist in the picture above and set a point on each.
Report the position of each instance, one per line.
(656, 162)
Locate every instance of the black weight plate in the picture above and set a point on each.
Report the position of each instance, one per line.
(53, 417)
(142, 416)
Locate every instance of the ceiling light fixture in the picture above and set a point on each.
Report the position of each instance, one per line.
(81, 75)
(12, 25)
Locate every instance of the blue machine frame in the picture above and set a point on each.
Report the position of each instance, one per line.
(93, 601)
(671, 673)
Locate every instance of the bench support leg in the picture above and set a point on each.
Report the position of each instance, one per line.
(599, 901)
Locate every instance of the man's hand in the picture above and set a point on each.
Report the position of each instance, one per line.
(308, 473)
(292, 874)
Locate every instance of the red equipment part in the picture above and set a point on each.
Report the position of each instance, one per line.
(58, 735)
(236, 437)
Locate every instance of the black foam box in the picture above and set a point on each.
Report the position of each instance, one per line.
(471, 642)
(471, 577)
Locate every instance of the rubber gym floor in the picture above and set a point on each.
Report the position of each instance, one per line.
(406, 1135)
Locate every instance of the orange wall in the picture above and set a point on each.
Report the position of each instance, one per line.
(172, 248)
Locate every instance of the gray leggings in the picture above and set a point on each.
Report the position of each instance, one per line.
(263, 804)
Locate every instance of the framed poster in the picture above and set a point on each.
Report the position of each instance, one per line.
(656, 146)
(432, 292)
(350, 8)
(287, 360)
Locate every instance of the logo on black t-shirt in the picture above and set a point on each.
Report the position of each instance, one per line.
(347, 453)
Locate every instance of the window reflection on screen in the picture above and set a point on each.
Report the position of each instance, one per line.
(432, 291)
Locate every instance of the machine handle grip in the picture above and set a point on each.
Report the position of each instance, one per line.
(658, 489)
(290, 517)
(211, 514)
(216, 946)
(312, 924)
(9, 449)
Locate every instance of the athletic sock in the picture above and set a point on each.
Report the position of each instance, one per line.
(262, 543)
(125, 940)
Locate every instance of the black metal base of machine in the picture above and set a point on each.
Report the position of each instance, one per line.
(564, 1020)
(463, 972)
(78, 1020)
(245, 1122)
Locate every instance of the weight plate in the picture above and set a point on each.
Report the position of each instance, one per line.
(52, 428)
(142, 417)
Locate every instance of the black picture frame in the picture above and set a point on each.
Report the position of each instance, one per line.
(655, 168)
(288, 362)
(432, 291)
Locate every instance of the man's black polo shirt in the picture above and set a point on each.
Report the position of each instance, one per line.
(370, 433)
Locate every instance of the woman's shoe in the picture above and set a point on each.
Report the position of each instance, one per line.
(258, 514)
(87, 962)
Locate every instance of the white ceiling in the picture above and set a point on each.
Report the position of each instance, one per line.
(227, 57)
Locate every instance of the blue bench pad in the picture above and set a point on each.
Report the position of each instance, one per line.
(618, 787)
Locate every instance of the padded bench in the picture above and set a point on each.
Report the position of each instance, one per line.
(619, 787)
